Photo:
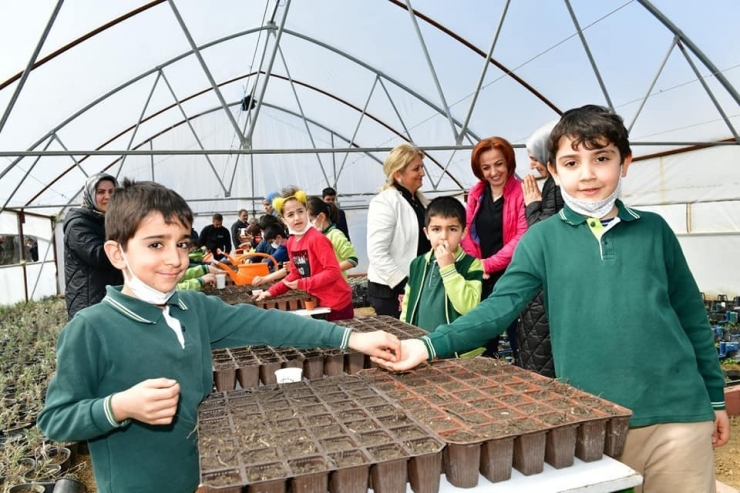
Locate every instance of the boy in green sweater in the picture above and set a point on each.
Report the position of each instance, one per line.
(132, 370)
(627, 321)
(446, 282)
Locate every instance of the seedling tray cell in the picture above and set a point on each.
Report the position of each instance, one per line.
(353, 473)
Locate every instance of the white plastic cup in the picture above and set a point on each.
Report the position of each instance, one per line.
(257, 292)
(220, 281)
(288, 375)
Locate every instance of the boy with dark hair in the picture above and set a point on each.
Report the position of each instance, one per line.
(132, 370)
(215, 237)
(615, 281)
(275, 235)
(446, 282)
(329, 195)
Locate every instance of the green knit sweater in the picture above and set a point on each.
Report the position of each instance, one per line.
(626, 318)
(123, 341)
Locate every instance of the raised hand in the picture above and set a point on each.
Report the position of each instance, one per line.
(531, 190)
(443, 254)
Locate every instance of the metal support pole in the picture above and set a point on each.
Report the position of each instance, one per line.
(652, 84)
(29, 65)
(357, 127)
(393, 105)
(77, 163)
(28, 172)
(141, 117)
(693, 47)
(486, 63)
(588, 54)
(151, 148)
(195, 134)
(203, 65)
(435, 186)
(268, 72)
(709, 92)
(303, 115)
(431, 69)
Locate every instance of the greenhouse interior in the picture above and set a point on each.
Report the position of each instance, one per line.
(230, 102)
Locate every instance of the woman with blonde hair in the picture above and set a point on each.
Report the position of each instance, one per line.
(395, 223)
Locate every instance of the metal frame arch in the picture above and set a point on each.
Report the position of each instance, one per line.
(181, 56)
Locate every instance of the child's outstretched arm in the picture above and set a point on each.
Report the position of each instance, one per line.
(412, 353)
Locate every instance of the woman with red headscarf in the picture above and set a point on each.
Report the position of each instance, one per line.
(495, 214)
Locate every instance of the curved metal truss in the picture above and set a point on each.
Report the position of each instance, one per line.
(460, 129)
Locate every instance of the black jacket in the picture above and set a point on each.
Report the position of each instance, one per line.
(215, 238)
(235, 232)
(342, 223)
(87, 269)
(533, 334)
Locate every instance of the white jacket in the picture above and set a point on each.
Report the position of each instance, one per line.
(392, 237)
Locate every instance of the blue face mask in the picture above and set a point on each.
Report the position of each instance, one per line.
(142, 290)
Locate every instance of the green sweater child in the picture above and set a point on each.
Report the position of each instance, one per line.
(132, 370)
(445, 282)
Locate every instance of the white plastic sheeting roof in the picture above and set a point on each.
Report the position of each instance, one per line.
(154, 90)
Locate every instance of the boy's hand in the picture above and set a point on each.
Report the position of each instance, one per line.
(209, 279)
(257, 280)
(291, 284)
(443, 255)
(531, 190)
(413, 352)
(378, 344)
(721, 433)
(152, 402)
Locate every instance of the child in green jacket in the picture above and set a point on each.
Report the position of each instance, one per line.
(446, 282)
(627, 321)
(132, 370)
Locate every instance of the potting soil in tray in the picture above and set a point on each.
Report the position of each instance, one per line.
(234, 294)
(494, 416)
(337, 431)
(254, 364)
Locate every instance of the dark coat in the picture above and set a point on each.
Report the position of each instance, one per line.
(342, 223)
(87, 269)
(238, 224)
(533, 334)
(215, 238)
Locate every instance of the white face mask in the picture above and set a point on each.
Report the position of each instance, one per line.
(275, 245)
(142, 290)
(597, 209)
(300, 233)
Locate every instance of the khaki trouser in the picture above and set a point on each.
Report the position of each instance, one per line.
(672, 458)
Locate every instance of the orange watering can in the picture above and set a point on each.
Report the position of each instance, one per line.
(247, 271)
(237, 257)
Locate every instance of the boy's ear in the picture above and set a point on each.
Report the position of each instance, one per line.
(113, 251)
(426, 233)
(464, 233)
(554, 173)
(626, 164)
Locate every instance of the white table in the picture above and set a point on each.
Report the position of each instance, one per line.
(602, 476)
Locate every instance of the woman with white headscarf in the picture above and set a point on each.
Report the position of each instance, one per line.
(533, 334)
(87, 269)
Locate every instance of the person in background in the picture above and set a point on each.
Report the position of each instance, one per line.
(445, 282)
(267, 203)
(239, 226)
(275, 235)
(395, 224)
(216, 238)
(614, 278)
(87, 269)
(323, 216)
(533, 332)
(197, 277)
(495, 216)
(330, 197)
(132, 370)
(264, 246)
(313, 263)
